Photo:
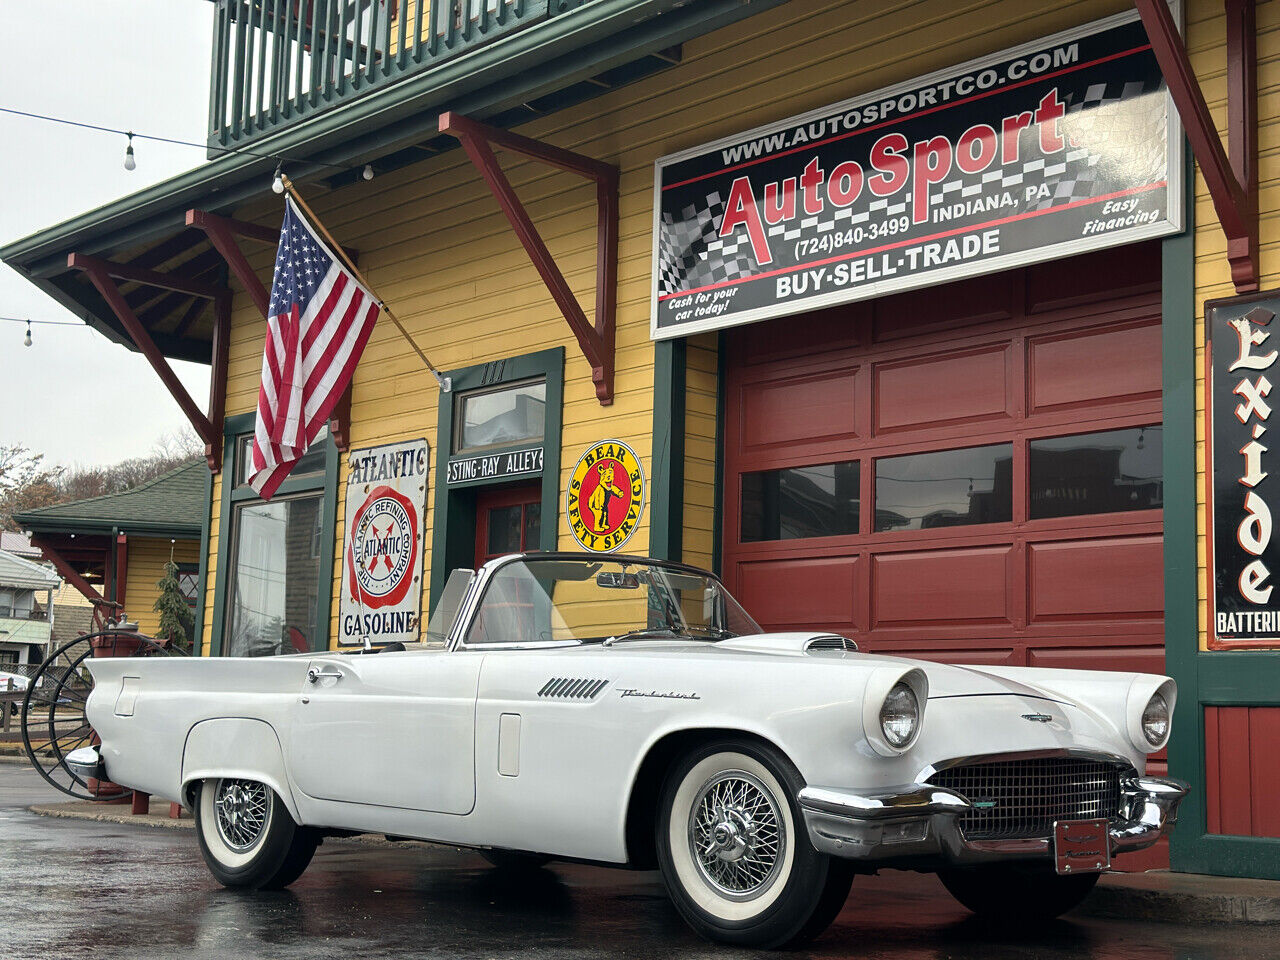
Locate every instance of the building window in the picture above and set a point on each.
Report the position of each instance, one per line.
(189, 583)
(271, 595)
(799, 502)
(310, 466)
(17, 604)
(946, 488)
(513, 413)
(274, 572)
(1112, 471)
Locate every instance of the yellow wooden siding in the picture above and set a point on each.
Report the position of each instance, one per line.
(702, 387)
(435, 246)
(1206, 42)
(147, 557)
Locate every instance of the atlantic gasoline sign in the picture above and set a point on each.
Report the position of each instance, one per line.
(1241, 358)
(605, 498)
(384, 537)
(1051, 149)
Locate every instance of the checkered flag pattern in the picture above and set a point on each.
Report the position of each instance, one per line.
(691, 253)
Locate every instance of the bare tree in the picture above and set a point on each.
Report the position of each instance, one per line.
(25, 483)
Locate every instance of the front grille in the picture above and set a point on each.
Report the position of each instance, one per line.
(1022, 798)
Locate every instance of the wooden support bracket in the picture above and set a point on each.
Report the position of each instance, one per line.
(64, 568)
(1233, 183)
(597, 342)
(103, 273)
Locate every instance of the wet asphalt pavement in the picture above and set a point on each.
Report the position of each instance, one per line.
(72, 888)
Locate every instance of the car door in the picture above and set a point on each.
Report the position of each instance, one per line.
(393, 730)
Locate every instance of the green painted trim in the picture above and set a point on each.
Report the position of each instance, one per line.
(717, 515)
(1218, 678)
(202, 578)
(666, 494)
(1230, 678)
(1225, 856)
(453, 530)
(233, 428)
(1181, 615)
(105, 527)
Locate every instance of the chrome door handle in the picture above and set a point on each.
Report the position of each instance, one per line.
(314, 675)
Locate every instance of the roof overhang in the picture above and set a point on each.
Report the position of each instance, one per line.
(517, 77)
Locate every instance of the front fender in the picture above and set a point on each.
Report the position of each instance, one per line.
(236, 747)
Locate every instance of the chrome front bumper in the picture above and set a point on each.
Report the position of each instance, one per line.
(920, 821)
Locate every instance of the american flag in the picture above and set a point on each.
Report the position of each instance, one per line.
(319, 320)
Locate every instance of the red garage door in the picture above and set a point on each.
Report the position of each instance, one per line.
(970, 473)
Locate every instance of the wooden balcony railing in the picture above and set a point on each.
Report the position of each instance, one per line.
(278, 61)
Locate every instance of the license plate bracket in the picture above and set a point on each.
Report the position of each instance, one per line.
(1081, 846)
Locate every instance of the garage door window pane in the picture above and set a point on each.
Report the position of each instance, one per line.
(799, 502)
(1107, 472)
(947, 488)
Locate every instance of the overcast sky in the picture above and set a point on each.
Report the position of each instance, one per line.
(132, 64)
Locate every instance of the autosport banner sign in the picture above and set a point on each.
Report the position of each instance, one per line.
(1243, 361)
(384, 536)
(1066, 145)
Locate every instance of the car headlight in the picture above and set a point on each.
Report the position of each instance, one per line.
(900, 716)
(1155, 719)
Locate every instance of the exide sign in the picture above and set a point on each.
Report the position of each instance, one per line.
(1241, 365)
(1052, 149)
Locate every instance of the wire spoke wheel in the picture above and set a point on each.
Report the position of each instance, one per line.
(53, 718)
(243, 810)
(736, 835)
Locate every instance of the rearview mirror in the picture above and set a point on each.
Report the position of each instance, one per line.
(617, 580)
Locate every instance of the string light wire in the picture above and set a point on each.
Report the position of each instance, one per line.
(366, 170)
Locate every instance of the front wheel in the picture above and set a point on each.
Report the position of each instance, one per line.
(247, 837)
(1017, 893)
(734, 854)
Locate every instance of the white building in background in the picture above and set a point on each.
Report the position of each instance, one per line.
(27, 591)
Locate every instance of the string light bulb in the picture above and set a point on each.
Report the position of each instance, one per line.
(277, 183)
(367, 172)
(129, 162)
(26, 341)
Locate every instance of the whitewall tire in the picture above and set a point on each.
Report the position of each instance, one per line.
(247, 837)
(734, 853)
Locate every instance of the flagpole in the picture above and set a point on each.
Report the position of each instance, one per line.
(446, 383)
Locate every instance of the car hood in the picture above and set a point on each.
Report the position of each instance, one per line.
(945, 680)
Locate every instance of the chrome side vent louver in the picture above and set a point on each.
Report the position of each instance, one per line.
(572, 688)
(820, 644)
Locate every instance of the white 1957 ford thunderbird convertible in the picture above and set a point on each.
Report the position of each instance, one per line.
(626, 711)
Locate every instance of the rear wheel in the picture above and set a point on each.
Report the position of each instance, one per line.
(1017, 893)
(247, 837)
(734, 854)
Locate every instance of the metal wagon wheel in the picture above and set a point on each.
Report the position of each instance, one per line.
(53, 718)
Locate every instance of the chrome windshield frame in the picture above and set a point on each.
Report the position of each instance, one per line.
(480, 584)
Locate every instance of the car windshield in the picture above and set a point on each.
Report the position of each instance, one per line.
(603, 601)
